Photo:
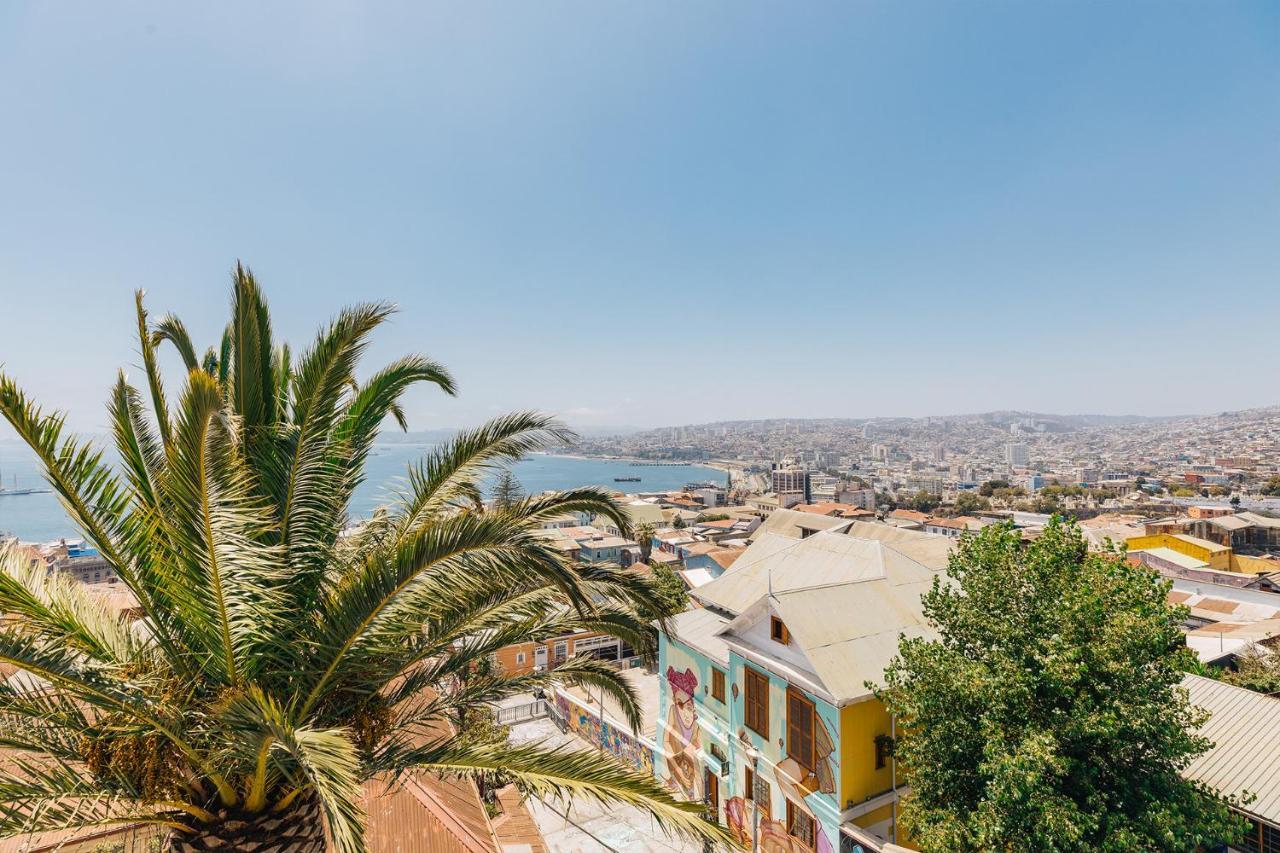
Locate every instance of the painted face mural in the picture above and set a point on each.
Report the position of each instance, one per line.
(682, 738)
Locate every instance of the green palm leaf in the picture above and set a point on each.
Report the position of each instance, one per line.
(283, 660)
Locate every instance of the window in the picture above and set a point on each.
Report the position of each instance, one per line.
(717, 685)
(778, 631)
(800, 728)
(757, 791)
(757, 702)
(519, 658)
(799, 824)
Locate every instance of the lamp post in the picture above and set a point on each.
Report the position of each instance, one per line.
(753, 756)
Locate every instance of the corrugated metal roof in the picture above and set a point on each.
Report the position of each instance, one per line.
(699, 628)
(791, 523)
(1245, 730)
(1176, 557)
(817, 586)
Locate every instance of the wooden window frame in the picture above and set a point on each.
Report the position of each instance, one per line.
(761, 722)
(806, 761)
(778, 631)
(792, 812)
(717, 684)
(765, 803)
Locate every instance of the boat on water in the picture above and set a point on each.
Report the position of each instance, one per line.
(15, 491)
(626, 479)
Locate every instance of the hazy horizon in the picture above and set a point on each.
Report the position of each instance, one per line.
(656, 214)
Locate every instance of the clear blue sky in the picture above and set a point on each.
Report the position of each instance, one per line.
(656, 213)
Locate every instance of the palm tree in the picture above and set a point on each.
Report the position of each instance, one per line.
(644, 536)
(281, 661)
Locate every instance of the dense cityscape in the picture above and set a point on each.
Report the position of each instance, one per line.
(579, 427)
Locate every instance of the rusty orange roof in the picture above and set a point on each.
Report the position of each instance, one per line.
(910, 515)
(725, 557)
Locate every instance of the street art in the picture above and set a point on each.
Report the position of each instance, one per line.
(774, 839)
(737, 816)
(682, 739)
(601, 733)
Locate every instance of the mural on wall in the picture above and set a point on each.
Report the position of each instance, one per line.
(737, 816)
(601, 733)
(784, 779)
(681, 739)
(774, 839)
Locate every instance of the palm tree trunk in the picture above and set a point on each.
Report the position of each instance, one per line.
(299, 829)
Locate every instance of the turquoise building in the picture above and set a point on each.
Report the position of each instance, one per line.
(764, 709)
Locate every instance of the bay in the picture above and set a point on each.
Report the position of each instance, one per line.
(40, 518)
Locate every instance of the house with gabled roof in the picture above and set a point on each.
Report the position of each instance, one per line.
(765, 712)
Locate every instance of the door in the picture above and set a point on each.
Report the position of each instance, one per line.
(540, 659)
(711, 789)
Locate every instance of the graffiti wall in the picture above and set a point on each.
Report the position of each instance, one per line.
(692, 724)
(621, 743)
(781, 780)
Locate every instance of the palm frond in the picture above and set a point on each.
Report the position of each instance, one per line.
(566, 773)
(148, 351)
(455, 469)
(61, 610)
(226, 584)
(173, 330)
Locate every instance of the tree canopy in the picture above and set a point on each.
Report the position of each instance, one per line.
(1047, 714)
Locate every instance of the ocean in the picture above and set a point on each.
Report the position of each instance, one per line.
(40, 518)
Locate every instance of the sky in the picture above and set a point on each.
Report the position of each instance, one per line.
(661, 213)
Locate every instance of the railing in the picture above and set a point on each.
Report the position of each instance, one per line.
(522, 713)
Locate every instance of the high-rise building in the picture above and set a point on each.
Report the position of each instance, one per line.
(1016, 455)
(790, 481)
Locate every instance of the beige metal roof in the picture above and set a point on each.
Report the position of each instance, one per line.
(791, 523)
(1259, 520)
(699, 628)
(1176, 557)
(1245, 730)
(845, 598)
(783, 563)
(645, 513)
(1212, 547)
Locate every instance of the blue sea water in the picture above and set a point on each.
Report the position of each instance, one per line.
(40, 518)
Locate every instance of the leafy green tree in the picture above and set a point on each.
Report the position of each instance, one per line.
(1272, 486)
(1048, 713)
(673, 595)
(970, 502)
(283, 660)
(678, 523)
(922, 501)
(988, 488)
(1255, 671)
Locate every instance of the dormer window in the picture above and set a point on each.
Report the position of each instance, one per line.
(778, 632)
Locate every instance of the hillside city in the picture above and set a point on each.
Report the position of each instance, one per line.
(818, 519)
(640, 427)
(1103, 462)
